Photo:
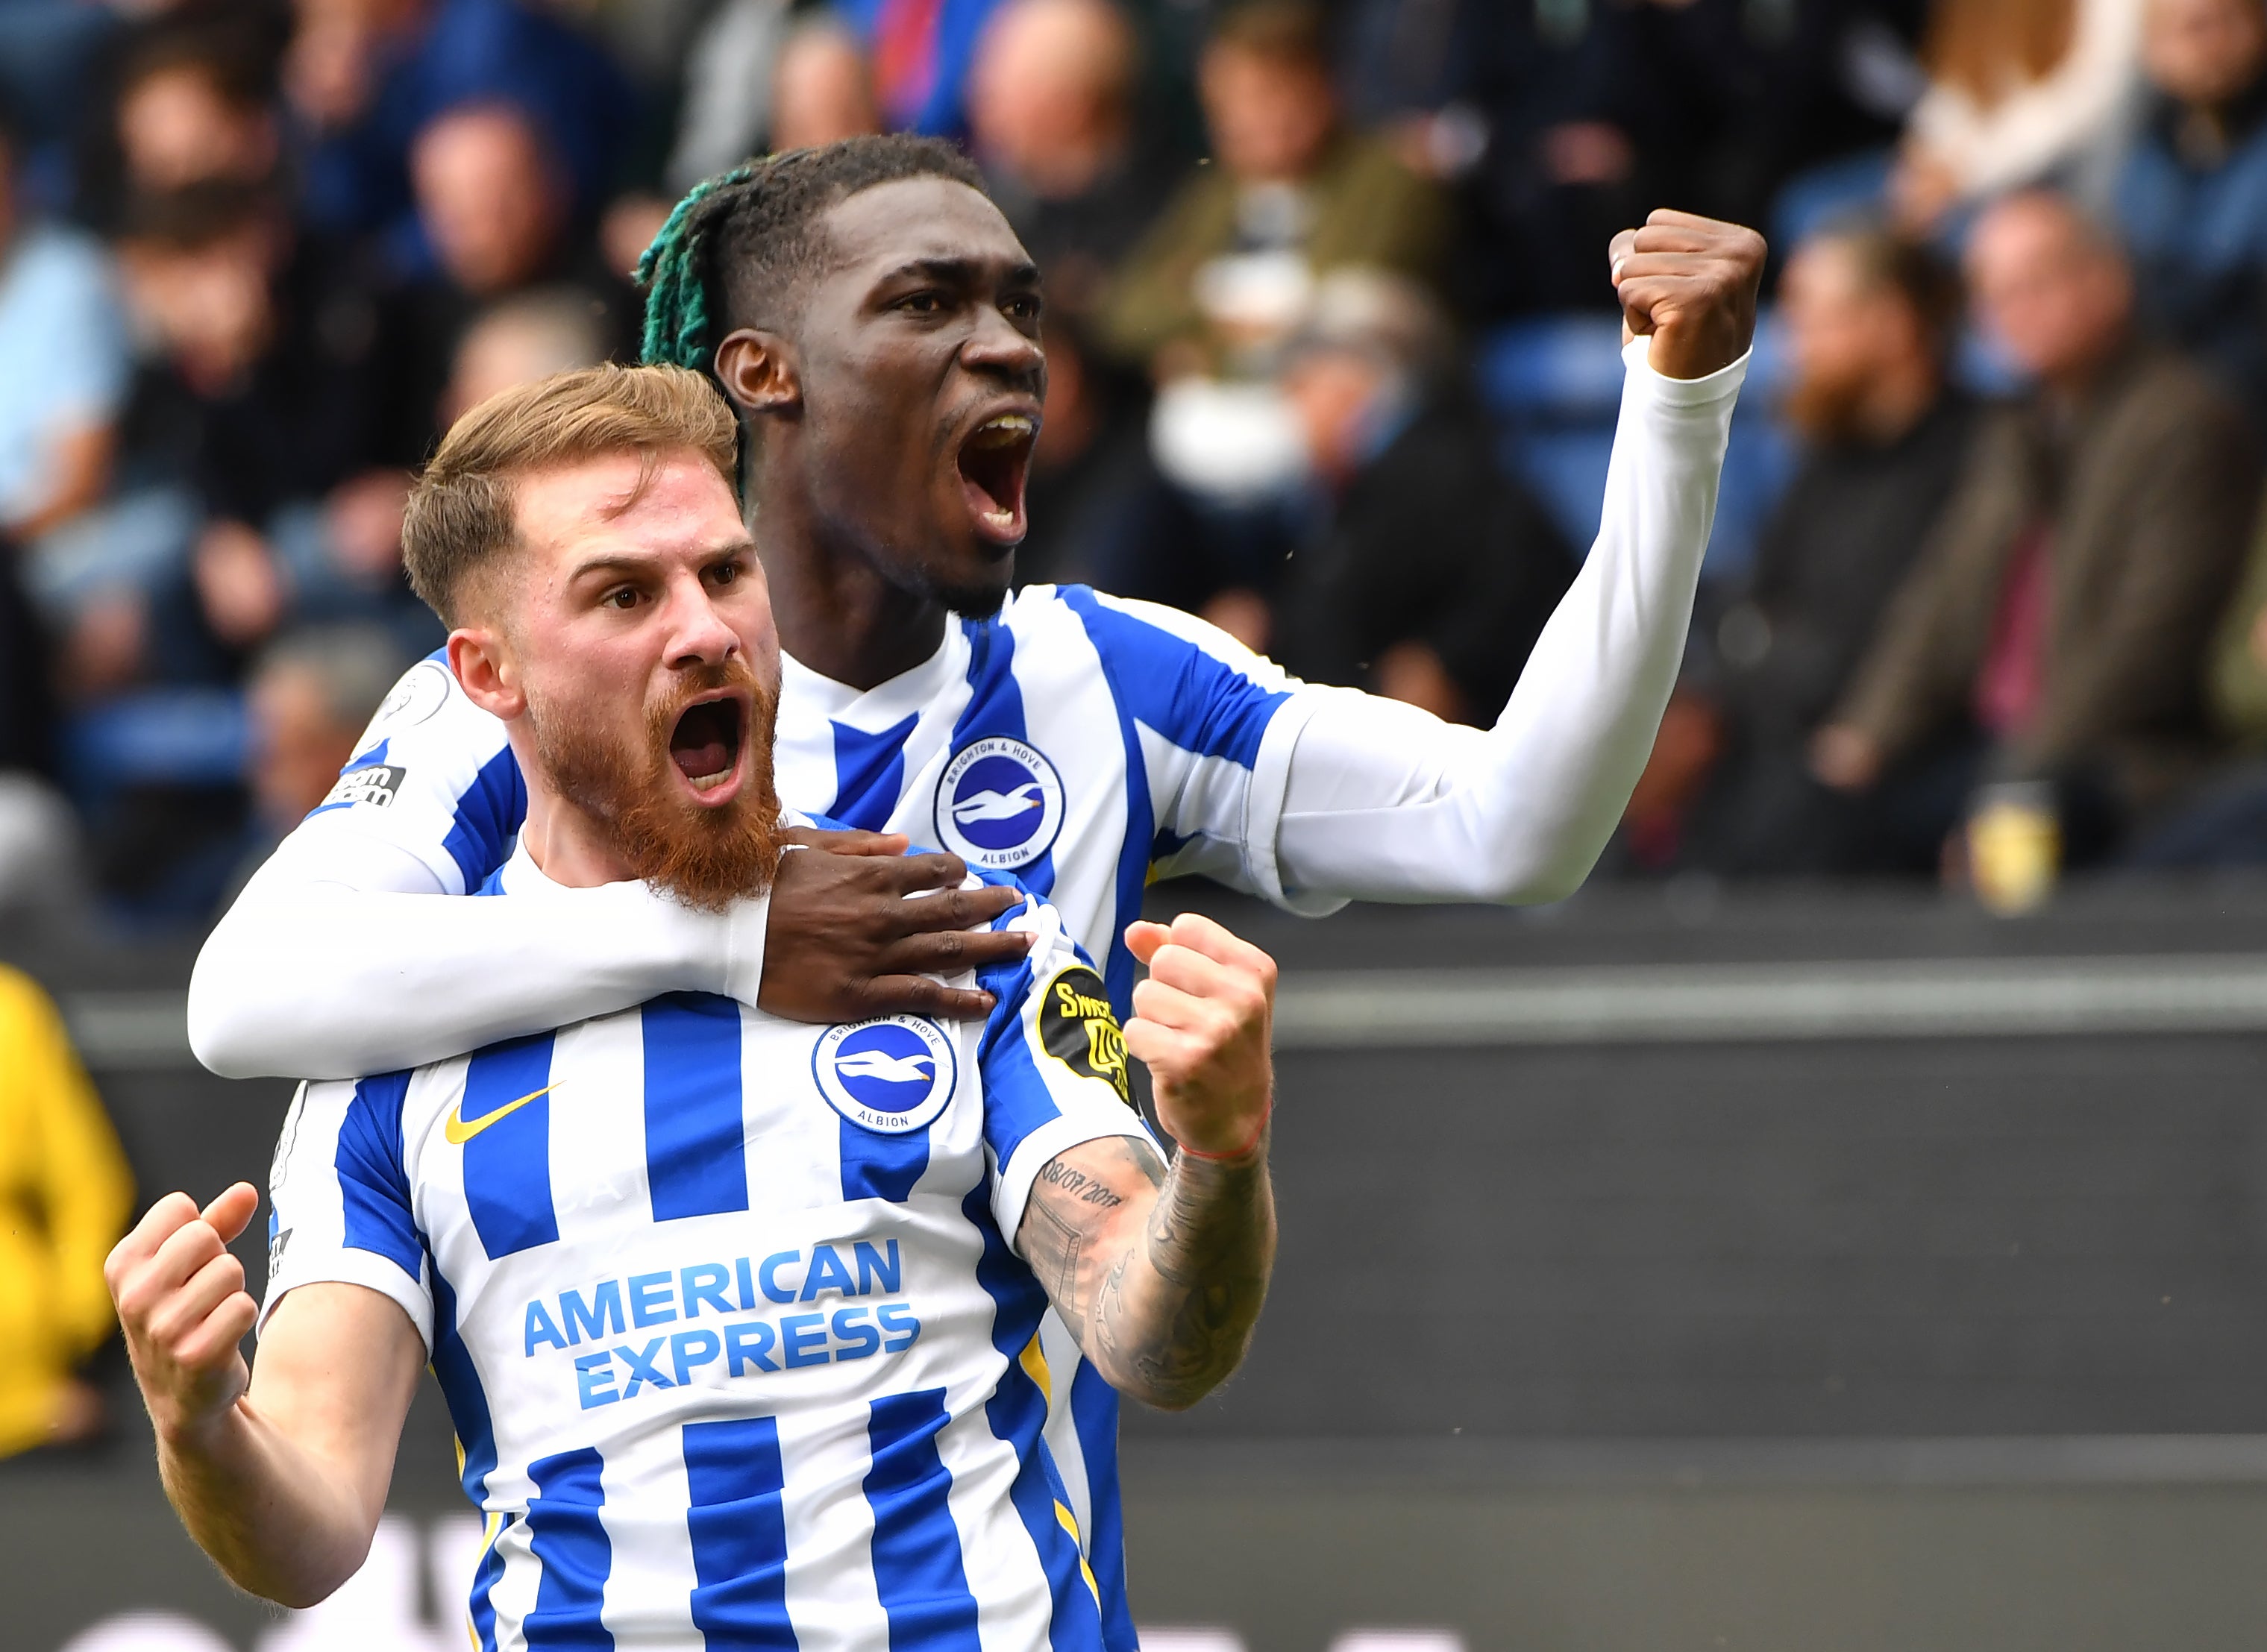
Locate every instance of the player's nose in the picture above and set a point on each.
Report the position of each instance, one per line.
(998, 345)
(699, 632)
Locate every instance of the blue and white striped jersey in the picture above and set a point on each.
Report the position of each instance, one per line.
(729, 1313)
(1080, 742)
(1083, 742)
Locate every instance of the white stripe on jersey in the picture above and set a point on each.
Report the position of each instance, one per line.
(727, 1315)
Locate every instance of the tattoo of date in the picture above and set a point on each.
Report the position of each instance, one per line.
(1078, 1184)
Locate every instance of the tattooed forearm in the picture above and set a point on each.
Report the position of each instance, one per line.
(1159, 1274)
(1175, 1315)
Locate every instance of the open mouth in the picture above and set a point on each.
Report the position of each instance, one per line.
(705, 743)
(995, 463)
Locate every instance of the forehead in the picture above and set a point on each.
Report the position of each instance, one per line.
(916, 219)
(621, 504)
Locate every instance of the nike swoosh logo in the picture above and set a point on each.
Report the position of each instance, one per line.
(458, 1132)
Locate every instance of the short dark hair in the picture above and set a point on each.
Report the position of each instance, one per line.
(1912, 269)
(232, 61)
(740, 244)
(1290, 32)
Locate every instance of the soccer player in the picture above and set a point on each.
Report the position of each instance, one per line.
(876, 327)
(736, 1316)
(876, 323)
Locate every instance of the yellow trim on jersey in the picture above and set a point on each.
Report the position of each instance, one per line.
(1034, 1361)
(1069, 1523)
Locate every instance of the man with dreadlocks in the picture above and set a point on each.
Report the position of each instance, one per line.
(877, 325)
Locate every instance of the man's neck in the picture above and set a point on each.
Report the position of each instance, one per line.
(565, 844)
(836, 612)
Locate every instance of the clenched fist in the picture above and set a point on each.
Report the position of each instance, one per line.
(182, 1305)
(1689, 284)
(1201, 1025)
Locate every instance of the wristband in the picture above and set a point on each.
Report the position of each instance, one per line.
(1214, 1159)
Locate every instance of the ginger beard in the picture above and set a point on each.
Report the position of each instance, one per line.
(709, 856)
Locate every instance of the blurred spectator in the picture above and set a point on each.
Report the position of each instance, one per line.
(921, 51)
(1741, 96)
(1293, 194)
(39, 836)
(365, 77)
(823, 87)
(67, 1191)
(195, 106)
(519, 341)
(2054, 630)
(1051, 106)
(1870, 319)
(310, 697)
(65, 342)
(251, 412)
(1429, 574)
(1093, 503)
(496, 207)
(729, 71)
(2191, 197)
(2019, 91)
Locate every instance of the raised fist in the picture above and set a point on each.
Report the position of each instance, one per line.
(182, 1305)
(1201, 1025)
(1689, 284)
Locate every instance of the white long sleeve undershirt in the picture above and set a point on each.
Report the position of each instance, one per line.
(1385, 802)
(330, 964)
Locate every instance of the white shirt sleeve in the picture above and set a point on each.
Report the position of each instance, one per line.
(1385, 802)
(341, 957)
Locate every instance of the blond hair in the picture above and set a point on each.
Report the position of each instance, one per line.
(460, 512)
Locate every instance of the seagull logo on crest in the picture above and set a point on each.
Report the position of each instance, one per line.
(984, 806)
(879, 1064)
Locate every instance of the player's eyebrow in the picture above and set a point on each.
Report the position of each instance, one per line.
(619, 566)
(961, 272)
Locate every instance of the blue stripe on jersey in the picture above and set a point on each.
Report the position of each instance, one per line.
(468, 1413)
(488, 815)
(373, 1184)
(996, 706)
(696, 1157)
(1134, 850)
(507, 1168)
(1017, 1411)
(739, 1535)
(870, 771)
(917, 1568)
(1200, 702)
(568, 1537)
(879, 1167)
(1016, 1100)
(1094, 1416)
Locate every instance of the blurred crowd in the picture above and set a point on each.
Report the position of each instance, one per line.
(1333, 356)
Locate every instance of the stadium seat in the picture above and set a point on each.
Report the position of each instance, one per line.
(160, 736)
(1553, 386)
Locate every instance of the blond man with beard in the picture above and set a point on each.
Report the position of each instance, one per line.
(736, 1317)
(1870, 319)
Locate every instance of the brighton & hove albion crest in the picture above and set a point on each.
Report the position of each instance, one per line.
(998, 805)
(894, 1075)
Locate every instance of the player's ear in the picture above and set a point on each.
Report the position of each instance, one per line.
(486, 670)
(759, 372)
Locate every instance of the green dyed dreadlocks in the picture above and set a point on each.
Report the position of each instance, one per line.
(758, 222)
(676, 286)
